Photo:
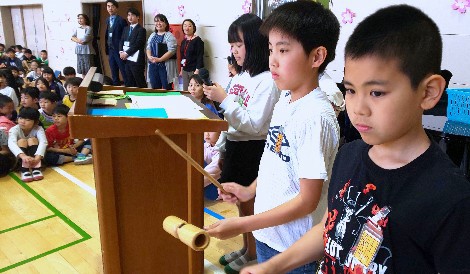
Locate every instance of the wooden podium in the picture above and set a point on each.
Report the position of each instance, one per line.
(139, 181)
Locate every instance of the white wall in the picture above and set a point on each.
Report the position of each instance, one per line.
(454, 27)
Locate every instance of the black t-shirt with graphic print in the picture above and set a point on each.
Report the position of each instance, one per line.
(427, 229)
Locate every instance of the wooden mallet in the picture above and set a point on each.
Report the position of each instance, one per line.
(188, 158)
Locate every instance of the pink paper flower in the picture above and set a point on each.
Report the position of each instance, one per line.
(461, 5)
(246, 6)
(348, 16)
(181, 10)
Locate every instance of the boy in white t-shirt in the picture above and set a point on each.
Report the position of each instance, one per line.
(303, 135)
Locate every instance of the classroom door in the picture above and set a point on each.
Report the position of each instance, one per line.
(28, 27)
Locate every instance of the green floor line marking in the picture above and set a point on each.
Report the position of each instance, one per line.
(26, 224)
(41, 255)
(85, 236)
(51, 207)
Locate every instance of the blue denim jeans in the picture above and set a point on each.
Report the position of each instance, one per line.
(264, 253)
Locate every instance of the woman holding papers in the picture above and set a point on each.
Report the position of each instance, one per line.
(83, 36)
(161, 54)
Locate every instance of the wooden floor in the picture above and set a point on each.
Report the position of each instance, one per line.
(51, 226)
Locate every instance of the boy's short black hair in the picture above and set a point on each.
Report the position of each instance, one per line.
(115, 3)
(28, 51)
(45, 51)
(69, 71)
(256, 45)
(74, 81)
(134, 11)
(20, 47)
(10, 50)
(4, 99)
(401, 33)
(49, 95)
(61, 109)
(12, 68)
(29, 113)
(309, 23)
(33, 92)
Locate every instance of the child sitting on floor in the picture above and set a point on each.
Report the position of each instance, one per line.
(47, 102)
(211, 161)
(195, 88)
(6, 110)
(61, 147)
(27, 141)
(42, 84)
(71, 85)
(69, 72)
(29, 98)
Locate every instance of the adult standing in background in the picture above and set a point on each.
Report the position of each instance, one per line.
(115, 24)
(131, 50)
(161, 53)
(83, 36)
(192, 51)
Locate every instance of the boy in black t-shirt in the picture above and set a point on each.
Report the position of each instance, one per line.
(396, 203)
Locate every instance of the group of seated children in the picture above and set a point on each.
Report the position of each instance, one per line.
(30, 143)
(42, 132)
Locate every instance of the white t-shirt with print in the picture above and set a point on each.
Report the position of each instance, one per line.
(309, 144)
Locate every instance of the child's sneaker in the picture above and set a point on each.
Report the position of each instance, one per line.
(26, 176)
(230, 257)
(83, 159)
(37, 175)
(236, 266)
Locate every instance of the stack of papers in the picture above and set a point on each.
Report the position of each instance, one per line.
(175, 106)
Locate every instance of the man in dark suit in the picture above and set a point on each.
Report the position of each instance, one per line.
(114, 27)
(132, 47)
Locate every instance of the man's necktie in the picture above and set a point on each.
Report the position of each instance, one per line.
(130, 31)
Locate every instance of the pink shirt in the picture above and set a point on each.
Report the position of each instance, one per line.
(6, 123)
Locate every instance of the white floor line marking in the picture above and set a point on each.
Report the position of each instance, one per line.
(76, 181)
(207, 265)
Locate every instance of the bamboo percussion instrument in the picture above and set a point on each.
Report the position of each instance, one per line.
(188, 158)
(191, 235)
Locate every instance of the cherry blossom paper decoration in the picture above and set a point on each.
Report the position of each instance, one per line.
(461, 5)
(181, 10)
(246, 6)
(348, 16)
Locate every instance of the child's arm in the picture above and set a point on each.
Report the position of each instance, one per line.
(213, 169)
(78, 143)
(257, 110)
(307, 249)
(13, 137)
(42, 145)
(304, 203)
